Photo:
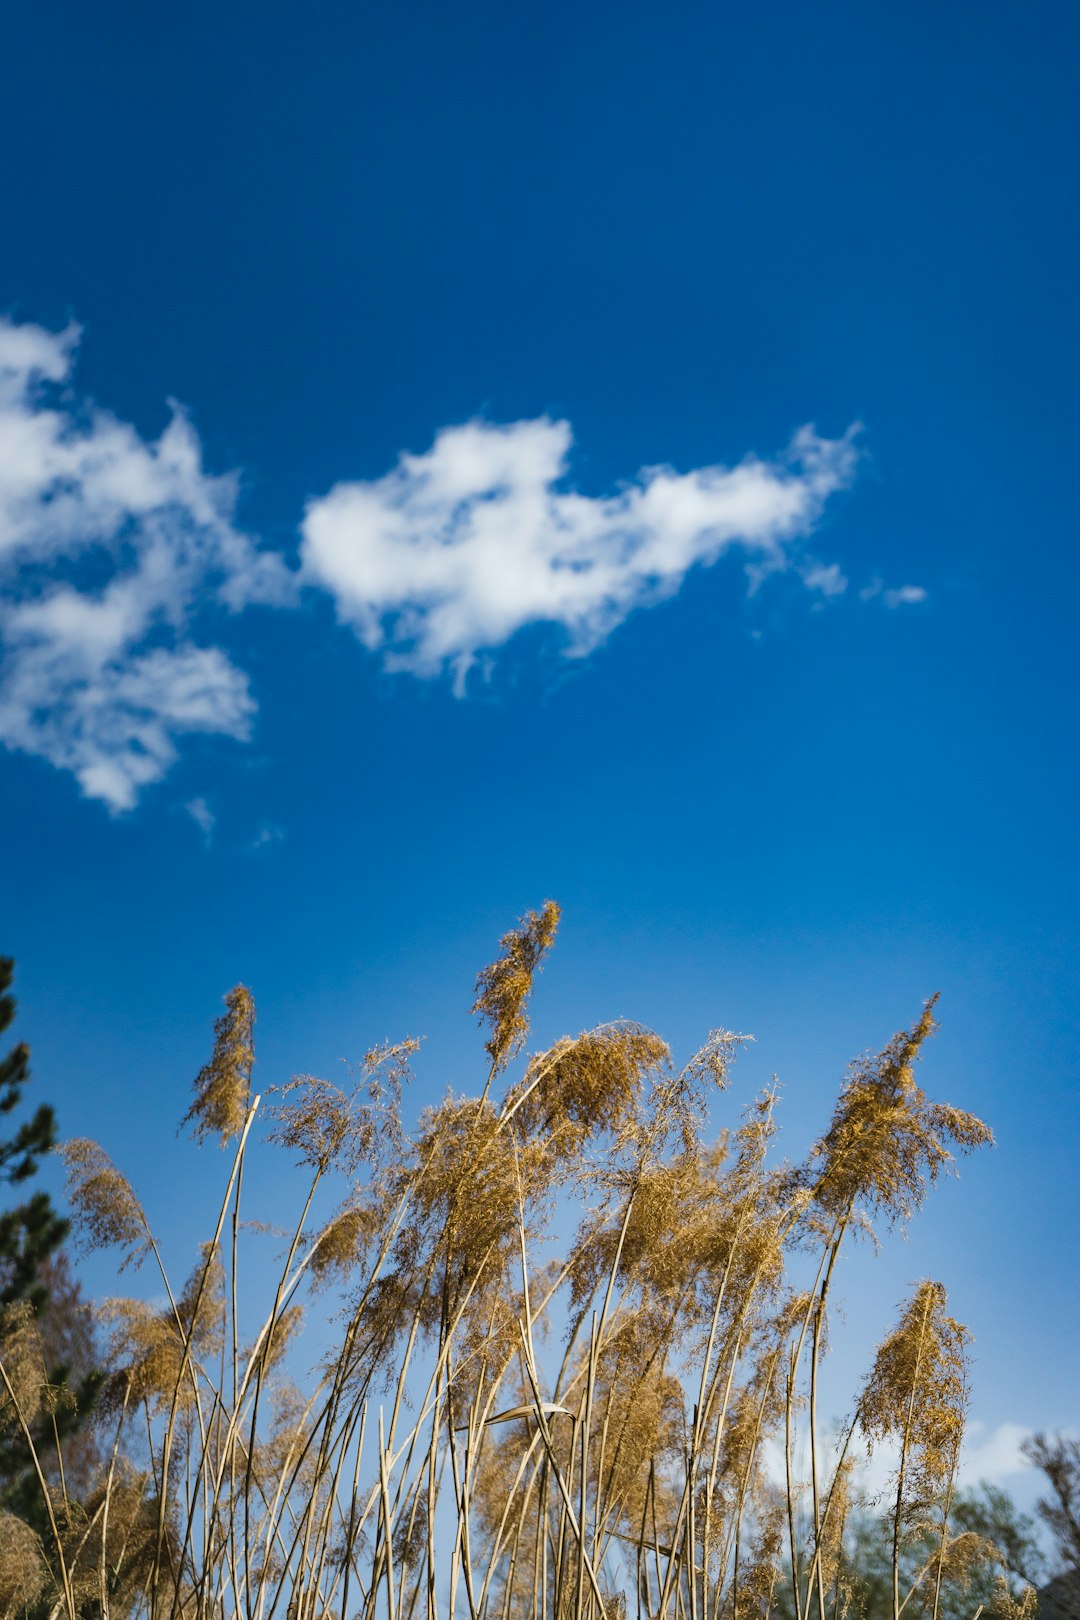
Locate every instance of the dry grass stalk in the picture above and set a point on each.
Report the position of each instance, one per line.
(445, 1459)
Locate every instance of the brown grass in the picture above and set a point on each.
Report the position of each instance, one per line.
(506, 1426)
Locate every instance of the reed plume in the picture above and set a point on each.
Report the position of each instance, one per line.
(532, 1357)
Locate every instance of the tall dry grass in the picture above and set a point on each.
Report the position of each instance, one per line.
(510, 1422)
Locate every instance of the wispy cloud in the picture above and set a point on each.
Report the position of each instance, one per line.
(455, 550)
(202, 815)
(108, 543)
(893, 597)
(268, 836)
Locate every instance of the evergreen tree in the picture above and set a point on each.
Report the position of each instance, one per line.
(32, 1231)
(33, 1270)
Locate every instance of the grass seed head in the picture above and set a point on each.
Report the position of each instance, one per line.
(321, 1124)
(24, 1573)
(917, 1394)
(760, 1574)
(342, 1243)
(887, 1142)
(502, 989)
(1007, 1607)
(587, 1085)
(123, 1539)
(107, 1212)
(24, 1391)
(223, 1086)
(149, 1345)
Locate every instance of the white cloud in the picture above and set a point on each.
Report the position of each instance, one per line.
(112, 722)
(115, 550)
(827, 578)
(456, 549)
(202, 815)
(107, 544)
(989, 1454)
(994, 1454)
(904, 596)
(893, 597)
(268, 835)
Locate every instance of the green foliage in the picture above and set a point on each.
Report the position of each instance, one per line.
(992, 1551)
(32, 1230)
(1058, 1456)
(990, 1512)
(36, 1287)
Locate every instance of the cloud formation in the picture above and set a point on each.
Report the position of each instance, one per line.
(121, 559)
(900, 596)
(108, 543)
(203, 817)
(455, 550)
(994, 1455)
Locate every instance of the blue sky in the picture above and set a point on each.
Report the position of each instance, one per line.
(488, 555)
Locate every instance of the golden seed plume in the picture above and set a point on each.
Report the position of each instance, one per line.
(223, 1086)
(502, 989)
(319, 1123)
(116, 1528)
(107, 1212)
(1007, 1607)
(917, 1394)
(150, 1346)
(24, 1573)
(586, 1085)
(887, 1142)
(24, 1366)
(342, 1242)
